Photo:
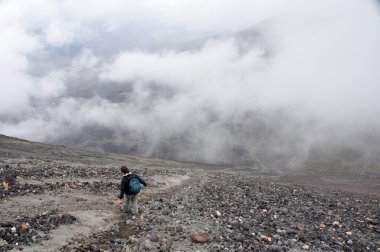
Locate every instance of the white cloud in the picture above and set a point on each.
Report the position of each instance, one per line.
(49, 86)
(217, 71)
(59, 33)
(15, 82)
(316, 59)
(84, 61)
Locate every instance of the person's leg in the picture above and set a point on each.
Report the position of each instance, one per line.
(127, 203)
(134, 205)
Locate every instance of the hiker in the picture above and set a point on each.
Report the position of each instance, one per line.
(130, 187)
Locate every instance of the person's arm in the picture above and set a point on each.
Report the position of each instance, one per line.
(119, 200)
(122, 189)
(141, 180)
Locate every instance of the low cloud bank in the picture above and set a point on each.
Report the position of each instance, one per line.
(301, 84)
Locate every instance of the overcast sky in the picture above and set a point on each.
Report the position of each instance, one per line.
(68, 64)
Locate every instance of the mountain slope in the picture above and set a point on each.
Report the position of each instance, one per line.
(61, 199)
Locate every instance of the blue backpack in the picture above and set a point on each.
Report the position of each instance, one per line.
(134, 185)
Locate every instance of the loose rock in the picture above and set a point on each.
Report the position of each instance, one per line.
(201, 237)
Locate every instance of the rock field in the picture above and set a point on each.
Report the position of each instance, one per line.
(52, 204)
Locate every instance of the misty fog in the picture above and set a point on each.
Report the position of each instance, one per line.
(267, 84)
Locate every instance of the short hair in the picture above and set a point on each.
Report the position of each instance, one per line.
(124, 169)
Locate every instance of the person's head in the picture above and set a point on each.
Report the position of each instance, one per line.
(124, 169)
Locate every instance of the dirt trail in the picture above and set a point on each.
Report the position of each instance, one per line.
(96, 215)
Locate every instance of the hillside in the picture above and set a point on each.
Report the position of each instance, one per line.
(62, 200)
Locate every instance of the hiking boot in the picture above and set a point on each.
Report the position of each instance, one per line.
(125, 209)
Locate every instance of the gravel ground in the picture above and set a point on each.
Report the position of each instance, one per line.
(235, 213)
(53, 204)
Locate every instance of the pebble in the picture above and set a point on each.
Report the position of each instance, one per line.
(94, 247)
(321, 226)
(155, 238)
(217, 214)
(133, 239)
(281, 231)
(201, 237)
(266, 238)
(3, 243)
(147, 245)
(337, 224)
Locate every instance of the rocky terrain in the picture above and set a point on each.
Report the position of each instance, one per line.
(59, 199)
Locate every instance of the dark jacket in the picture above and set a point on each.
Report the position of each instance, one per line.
(124, 187)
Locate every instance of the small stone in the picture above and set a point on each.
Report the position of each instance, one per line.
(348, 233)
(165, 212)
(25, 226)
(302, 239)
(336, 224)
(155, 238)
(164, 245)
(349, 242)
(3, 243)
(239, 238)
(275, 248)
(372, 221)
(339, 243)
(246, 244)
(217, 214)
(305, 247)
(266, 238)
(201, 237)
(46, 237)
(147, 245)
(133, 239)
(13, 229)
(93, 247)
(5, 185)
(276, 236)
(73, 186)
(179, 229)
(281, 231)
(321, 226)
(115, 229)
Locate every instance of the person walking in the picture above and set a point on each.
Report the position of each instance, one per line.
(129, 189)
